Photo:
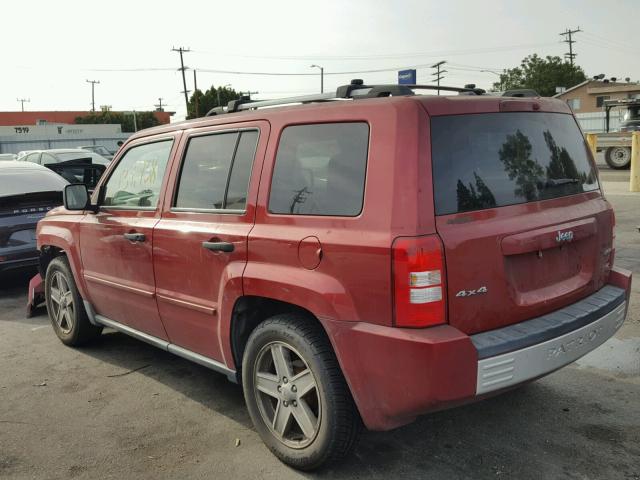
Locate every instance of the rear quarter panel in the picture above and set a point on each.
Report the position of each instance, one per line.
(353, 280)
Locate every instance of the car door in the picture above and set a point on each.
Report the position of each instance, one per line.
(116, 242)
(200, 243)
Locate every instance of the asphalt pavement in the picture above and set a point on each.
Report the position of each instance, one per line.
(123, 409)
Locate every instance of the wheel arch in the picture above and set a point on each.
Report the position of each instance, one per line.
(50, 249)
(251, 310)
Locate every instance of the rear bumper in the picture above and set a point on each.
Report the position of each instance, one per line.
(525, 364)
(397, 374)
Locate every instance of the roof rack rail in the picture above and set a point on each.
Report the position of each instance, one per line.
(355, 90)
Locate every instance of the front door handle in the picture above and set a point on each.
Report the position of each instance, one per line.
(135, 237)
(218, 246)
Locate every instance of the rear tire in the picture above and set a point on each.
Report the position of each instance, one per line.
(296, 394)
(64, 305)
(618, 158)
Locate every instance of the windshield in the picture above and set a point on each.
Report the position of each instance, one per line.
(496, 159)
(95, 158)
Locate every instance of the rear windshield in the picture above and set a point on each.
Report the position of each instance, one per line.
(27, 180)
(496, 159)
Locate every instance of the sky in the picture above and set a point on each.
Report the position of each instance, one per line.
(50, 49)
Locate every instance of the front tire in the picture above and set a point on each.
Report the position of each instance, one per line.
(296, 395)
(64, 305)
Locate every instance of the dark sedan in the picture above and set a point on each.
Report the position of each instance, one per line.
(27, 192)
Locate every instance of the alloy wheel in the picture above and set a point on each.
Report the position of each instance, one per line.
(61, 302)
(287, 394)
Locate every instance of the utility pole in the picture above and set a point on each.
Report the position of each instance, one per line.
(438, 73)
(195, 92)
(568, 34)
(159, 105)
(182, 68)
(22, 100)
(93, 98)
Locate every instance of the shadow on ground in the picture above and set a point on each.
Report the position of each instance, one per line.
(547, 429)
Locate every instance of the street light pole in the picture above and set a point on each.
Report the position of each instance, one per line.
(321, 76)
(135, 120)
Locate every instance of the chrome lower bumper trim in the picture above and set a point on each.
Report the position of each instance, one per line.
(502, 371)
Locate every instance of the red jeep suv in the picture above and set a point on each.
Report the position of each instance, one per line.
(364, 256)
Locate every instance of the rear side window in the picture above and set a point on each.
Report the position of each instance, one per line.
(496, 159)
(320, 170)
(33, 158)
(216, 170)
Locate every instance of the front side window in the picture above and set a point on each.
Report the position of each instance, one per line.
(137, 178)
(320, 170)
(216, 170)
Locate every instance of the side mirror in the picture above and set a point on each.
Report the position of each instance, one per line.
(76, 197)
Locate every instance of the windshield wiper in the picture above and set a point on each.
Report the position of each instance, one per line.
(555, 182)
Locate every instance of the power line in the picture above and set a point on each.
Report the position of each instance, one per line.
(568, 34)
(619, 47)
(182, 68)
(386, 56)
(93, 97)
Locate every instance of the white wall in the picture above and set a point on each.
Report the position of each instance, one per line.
(596, 123)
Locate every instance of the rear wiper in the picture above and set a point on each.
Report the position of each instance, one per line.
(554, 182)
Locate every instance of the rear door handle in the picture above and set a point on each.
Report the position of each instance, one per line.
(218, 246)
(135, 237)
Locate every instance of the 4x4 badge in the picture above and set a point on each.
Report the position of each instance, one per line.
(468, 293)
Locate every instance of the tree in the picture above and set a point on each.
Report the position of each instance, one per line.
(515, 154)
(143, 119)
(211, 98)
(474, 198)
(541, 74)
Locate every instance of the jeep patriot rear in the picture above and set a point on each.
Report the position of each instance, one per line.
(370, 259)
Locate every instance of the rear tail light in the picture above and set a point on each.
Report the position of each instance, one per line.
(419, 282)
